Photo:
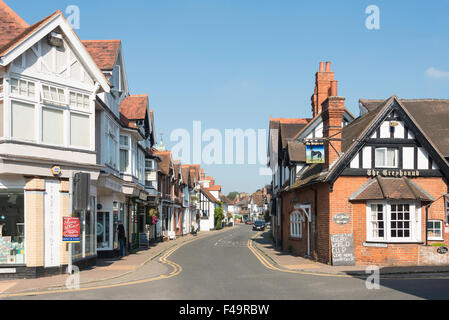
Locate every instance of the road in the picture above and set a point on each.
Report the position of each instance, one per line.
(221, 267)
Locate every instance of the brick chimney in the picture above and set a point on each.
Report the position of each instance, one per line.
(202, 175)
(333, 110)
(325, 79)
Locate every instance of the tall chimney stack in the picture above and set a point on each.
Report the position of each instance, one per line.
(323, 87)
(333, 110)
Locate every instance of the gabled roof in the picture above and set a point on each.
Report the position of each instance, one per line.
(25, 37)
(390, 189)
(104, 52)
(135, 107)
(258, 199)
(209, 195)
(11, 25)
(165, 165)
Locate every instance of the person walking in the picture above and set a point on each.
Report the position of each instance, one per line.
(121, 238)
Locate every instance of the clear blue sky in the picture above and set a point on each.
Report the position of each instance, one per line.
(233, 63)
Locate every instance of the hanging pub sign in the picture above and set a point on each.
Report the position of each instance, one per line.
(315, 152)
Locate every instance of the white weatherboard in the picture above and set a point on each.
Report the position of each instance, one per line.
(52, 223)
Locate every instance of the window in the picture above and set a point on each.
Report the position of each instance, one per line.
(111, 143)
(446, 200)
(124, 154)
(79, 130)
(386, 158)
(79, 101)
(52, 126)
(22, 88)
(435, 229)
(12, 227)
(149, 165)
(23, 116)
(53, 95)
(296, 221)
(392, 222)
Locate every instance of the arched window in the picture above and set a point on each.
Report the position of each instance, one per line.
(296, 220)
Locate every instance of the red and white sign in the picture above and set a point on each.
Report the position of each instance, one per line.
(71, 232)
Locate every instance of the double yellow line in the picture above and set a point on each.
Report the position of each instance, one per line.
(177, 269)
(271, 266)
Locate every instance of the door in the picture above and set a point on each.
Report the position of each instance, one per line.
(52, 222)
(103, 231)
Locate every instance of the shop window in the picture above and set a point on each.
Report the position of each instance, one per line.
(386, 158)
(435, 229)
(12, 228)
(296, 221)
(392, 222)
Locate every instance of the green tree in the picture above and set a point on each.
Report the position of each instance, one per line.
(219, 216)
(231, 196)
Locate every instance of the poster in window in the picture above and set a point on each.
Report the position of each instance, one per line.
(315, 153)
(5, 249)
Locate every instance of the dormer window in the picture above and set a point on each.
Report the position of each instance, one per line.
(387, 157)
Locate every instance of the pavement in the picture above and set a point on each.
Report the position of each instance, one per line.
(286, 261)
(108, 271)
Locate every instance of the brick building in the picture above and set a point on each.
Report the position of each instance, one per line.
(384, 182)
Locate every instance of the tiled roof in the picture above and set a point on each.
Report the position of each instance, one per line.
(165, 164)
(258, 199)
(390, 189)
(134, 107)
(8, 42)
(103, 52)
(209, 195)
(214, 188)
(11, 25)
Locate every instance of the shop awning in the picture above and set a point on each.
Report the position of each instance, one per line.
(391, 189)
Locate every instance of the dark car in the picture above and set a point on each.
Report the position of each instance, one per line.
(259, 226)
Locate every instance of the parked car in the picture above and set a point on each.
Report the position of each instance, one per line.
(259, 226)
(249, 222)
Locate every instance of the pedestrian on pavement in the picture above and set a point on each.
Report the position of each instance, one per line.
(121, 238)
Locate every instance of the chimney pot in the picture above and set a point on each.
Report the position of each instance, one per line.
(321, 66)
(328, 66)
(334, 89)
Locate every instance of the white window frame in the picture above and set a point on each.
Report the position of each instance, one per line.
(441, 238)
(415, 223)
(296, 220)
(111, 133)
(85, 106)
(41, 126)
(125, 147)
(52, 101)
(27, 85)
(396, 157)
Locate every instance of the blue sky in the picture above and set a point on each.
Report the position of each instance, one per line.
(233, 63)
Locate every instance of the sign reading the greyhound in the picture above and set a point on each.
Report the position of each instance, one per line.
(314, 153)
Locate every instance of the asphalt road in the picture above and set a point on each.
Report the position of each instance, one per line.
(222, 267)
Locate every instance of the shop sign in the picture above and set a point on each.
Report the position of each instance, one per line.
(143, 196)
(110, 184)
(393, 173)
(71, 232)
(341, 218)
(315, 153)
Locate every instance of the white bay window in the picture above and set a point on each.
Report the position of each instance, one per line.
(52, 126)
(111, 143)
(79, 130)
(124, 154)
(393, 222)
(23, 121)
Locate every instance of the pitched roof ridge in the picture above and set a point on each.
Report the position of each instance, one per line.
(13, 14)
(102, 40)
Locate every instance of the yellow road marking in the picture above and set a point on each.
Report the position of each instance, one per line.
(270, 266)
(177, 269)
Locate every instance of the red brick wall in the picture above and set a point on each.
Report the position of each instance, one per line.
(330, 204)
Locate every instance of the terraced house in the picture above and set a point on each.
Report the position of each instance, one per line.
(382, 187)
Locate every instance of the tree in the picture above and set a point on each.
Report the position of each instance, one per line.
(219, 216)
(231, 196)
